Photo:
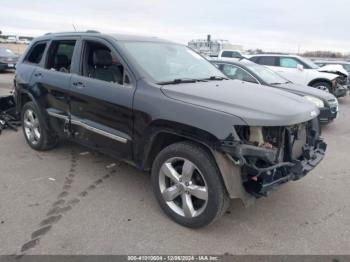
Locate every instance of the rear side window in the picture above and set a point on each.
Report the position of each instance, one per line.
(267, 60)
(36, 53)
(60, 55)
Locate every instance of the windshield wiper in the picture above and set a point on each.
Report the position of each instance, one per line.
(275, 84)
(215, 78)
(178, 81)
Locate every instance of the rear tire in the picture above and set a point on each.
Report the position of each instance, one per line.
(188, 185)
(323, 85)
(38, 137)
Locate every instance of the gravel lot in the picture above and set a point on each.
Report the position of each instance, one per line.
(71, 201)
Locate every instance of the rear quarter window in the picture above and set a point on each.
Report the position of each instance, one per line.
(36, 53)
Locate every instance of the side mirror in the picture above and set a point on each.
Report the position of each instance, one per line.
(300, 67)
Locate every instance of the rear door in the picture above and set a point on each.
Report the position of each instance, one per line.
(101, 99)
(53, 80)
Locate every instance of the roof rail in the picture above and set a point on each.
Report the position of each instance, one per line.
(87, 31)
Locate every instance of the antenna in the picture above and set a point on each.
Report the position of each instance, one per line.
(74, 27)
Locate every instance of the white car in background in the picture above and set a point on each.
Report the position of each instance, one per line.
(302, 71)
(229, 54)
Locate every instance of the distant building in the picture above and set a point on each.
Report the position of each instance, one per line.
(212, 47)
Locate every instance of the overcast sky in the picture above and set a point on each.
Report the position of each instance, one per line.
(273, 25)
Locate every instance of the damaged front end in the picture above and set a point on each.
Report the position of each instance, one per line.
(270, 156)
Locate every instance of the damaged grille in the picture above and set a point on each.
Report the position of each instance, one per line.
(286, 145)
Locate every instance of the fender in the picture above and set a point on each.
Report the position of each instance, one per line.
(169, 128)
(320, 80)
(230, 173)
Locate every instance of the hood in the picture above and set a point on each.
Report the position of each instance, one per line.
(306, 90)
(336, 69)
(257, 106)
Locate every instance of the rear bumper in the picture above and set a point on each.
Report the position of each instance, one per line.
(4, 66)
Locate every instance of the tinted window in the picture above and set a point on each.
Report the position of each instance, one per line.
(235, 72)
(60, 55)
(288, 62)
(230, 54)
(267, 60)
(36, 53)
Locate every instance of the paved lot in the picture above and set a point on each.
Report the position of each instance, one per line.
(69, 202)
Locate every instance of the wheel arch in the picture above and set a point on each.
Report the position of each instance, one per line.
(314, 81)
(162, 136)
(24, 97)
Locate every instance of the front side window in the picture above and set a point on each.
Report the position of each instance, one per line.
(36, 53)
(235, 72)
(60, 55)
(288, 62)
(167, 61)
(99, 62)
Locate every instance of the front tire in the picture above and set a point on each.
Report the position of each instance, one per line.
(323, 85)
(188, 185)
(37, 136)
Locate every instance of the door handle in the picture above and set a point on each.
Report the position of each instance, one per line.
(38, 74)
(78, 84)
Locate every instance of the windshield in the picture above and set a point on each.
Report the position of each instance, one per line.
(6, 52)
(267, 75)
(309, 63)
(166, 61)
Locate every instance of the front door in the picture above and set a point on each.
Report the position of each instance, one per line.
(101, 100)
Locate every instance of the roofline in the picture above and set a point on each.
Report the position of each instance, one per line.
(277, 54)
(75, 32)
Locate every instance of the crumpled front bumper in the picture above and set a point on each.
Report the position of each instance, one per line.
(258, 181)
(340, 91)
(293, 171)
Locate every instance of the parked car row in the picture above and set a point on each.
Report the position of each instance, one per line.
(165, 109)
(247, 71)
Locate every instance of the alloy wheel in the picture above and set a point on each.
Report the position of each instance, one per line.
(183, 187)
(31, 127)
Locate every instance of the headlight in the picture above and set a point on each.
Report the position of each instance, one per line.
(318, 102)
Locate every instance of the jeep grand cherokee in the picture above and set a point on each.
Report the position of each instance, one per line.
(164, 108)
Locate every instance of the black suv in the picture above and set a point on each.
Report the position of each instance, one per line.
(166, 109)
